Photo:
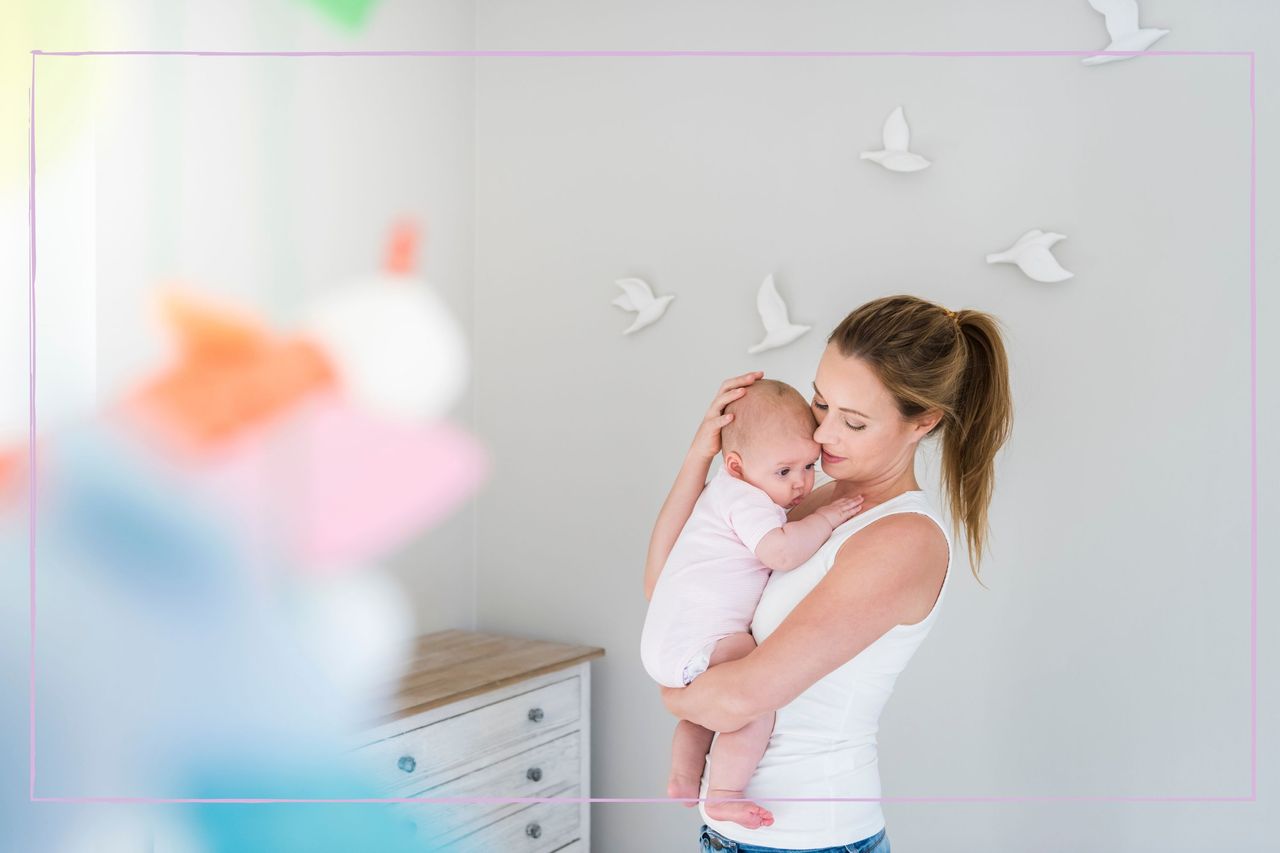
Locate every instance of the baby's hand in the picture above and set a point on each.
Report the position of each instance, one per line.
(839, 511)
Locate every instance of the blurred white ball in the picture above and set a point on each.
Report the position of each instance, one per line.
(396, 347)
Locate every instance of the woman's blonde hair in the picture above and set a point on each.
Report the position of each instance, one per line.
(930, 358)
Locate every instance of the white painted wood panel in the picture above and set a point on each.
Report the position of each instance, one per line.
(540, 828)
(484, 746)
(555, 766)
(415, 759)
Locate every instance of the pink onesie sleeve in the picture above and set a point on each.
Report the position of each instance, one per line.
(752, 514)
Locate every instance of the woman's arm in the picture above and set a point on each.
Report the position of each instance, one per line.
(692, 477)
(879, 579)
(674, 513)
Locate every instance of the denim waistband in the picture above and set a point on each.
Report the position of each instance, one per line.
(711, 841)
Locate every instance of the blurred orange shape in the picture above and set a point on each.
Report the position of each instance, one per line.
(231, 373)
(402, 249)
(207, 330)
(11, 462)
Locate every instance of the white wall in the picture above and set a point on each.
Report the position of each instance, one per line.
(1110, 656)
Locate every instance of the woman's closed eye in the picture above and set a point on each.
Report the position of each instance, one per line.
(822, 407)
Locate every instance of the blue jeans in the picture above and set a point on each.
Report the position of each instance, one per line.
(714, 842)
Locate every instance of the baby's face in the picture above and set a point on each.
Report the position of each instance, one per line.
(782, 466)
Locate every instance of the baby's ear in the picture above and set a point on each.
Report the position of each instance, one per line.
(733, 463)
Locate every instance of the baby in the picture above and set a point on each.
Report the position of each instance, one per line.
(706, 595)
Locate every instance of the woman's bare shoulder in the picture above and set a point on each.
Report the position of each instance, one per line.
(903, 552)
(812, 501)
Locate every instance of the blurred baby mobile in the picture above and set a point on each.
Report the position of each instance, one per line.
(352, 14)
(207, 550)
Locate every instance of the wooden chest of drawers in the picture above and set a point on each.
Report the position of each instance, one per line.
(492, 717)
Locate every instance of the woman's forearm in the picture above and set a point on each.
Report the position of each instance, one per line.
(674, 513)
(692, 477)
(716, 699)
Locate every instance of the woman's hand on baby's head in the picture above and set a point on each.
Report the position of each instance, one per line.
(840, 510)
(707, 440)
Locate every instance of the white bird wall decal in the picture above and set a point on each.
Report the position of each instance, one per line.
(778, 328)
(897, 139)
(639, 298)
(1031, 254)
(1122, 26)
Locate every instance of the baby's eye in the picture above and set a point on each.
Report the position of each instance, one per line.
(809, 467)
(784, 472)
(820, 406)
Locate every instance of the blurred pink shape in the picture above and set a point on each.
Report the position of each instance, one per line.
(332, 486)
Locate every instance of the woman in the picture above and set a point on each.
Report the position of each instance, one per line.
(834, 633)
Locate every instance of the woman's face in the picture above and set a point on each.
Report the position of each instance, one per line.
(863, 436)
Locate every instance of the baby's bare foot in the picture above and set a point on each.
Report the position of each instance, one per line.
(682, 787)
(742, 812)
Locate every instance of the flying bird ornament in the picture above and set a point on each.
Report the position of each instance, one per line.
(636, 296)
(778, 328)
(1122, 26)
(897, 140)
(1032, 256)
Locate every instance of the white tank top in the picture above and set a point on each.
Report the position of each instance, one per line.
(824, 741)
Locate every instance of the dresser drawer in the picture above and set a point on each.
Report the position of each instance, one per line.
(540, 828)
(416, 758)
(544, 771)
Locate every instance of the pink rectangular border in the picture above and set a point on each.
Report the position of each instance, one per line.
(1253, 411)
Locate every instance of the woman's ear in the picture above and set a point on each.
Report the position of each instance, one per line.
(733, 463)
(925, 424)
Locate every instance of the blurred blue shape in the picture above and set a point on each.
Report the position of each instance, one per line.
(170, 665)
(135, 517)
(297, 827)
(23, 825)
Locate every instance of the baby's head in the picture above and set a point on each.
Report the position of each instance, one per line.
(769, 443)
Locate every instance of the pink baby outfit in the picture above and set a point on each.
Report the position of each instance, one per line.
(711, 582)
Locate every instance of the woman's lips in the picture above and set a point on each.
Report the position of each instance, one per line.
(827, 457)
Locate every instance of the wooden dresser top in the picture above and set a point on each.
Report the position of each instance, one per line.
(454, 664)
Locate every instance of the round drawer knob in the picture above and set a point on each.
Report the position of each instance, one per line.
(534, 774)
(533, 830)
(535, 714)
(407, 764)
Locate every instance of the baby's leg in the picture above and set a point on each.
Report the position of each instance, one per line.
(691, 741)
(732, 647)
(734, 755)
(688, 757)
